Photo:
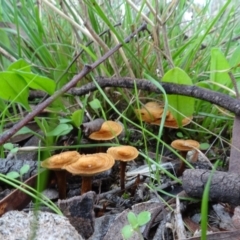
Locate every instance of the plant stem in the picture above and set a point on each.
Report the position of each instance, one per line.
(122, 174)
(61, 183)
(86, 184)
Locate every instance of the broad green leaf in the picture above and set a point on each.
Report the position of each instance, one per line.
(132, 219)
(13, 88)
(235, 58)
(61, 129)
(182, 104)
(13, 174)
(38, 82)
(95, 104)
(20, 65)
(24, 169)
(77, 117)
(143, 218)
(127, 231)
(219, 69)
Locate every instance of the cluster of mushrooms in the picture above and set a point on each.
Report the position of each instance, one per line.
(152, 112)
(88, 165)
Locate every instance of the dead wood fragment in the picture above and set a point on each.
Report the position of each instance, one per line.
(233, 235)
(93, 126)
(225, 186)
(79, 211)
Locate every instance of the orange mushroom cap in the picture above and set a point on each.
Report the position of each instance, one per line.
(91, 164)
(172, 123)
(185, 145)
(123, 153)
(150, 112)
(108, 131)
(59, 160)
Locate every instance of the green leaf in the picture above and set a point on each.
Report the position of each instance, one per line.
(15, 88)
(132, 219)
(24, 169)
(182, 104)
(20, 65)
(127, 231)
(13, 174)
(219, 69)
(77, 117)
(38, 82)
(95, 104)
(23, 130)
(61, 129)
(235, 58)
(8, 146)
(204, 146)
(143, 218)
(14, 150)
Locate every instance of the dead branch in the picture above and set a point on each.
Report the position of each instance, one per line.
(220, 99)
(225, 186)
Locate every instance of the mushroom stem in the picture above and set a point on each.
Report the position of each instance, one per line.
(61, 176)
(86, 184)
(182, 164)
(122, 174)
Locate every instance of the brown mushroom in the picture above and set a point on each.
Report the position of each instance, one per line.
(89, 165)
(183, 146)
(171, 122)
(150, 112)
(56, 163)
(108, 131)
(123, 154)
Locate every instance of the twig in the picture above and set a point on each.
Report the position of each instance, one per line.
(217, 98)
(87, 68)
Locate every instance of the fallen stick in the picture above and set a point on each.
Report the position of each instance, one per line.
(224, 187)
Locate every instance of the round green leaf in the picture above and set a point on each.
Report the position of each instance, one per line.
(24, 169)
(8, 146)
(132, 219)
(127, 231)
(143, 218)
(204, 146)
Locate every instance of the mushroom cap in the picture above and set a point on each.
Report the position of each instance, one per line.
(91, 164)
(172, 123)
(150, 112)
(59, 160)
(123, 153)
(185, 145)
(108, 131)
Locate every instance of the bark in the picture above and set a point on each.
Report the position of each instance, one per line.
(225, 186)
(234, 163)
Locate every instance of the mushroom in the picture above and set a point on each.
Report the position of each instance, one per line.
(89, 165)
(108, 131)
(56, 163)
(150, 112)
(171, 122)
(123, 154)
(184, 146)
